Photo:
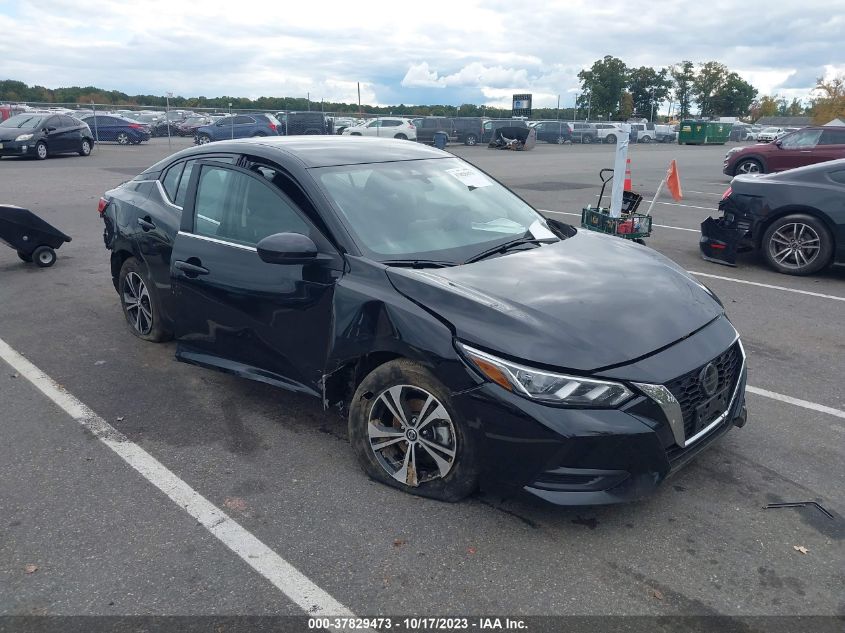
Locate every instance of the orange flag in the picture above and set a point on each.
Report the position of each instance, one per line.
(673, 181)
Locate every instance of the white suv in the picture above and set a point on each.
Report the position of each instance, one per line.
(389, 127)
(609, 133)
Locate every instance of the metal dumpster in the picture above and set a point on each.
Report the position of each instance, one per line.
(694, 132)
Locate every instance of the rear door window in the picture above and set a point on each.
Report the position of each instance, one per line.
(833, 137)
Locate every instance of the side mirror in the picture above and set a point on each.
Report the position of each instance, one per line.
(50, 129)
(287, 248)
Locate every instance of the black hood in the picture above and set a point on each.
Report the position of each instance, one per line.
(585, 303)
(11, 133)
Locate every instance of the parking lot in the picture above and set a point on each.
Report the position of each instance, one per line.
(104, 540)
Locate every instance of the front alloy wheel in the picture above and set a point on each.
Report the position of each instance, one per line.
(797, 245)
(407, 433)
(749, 166)
(411, 435)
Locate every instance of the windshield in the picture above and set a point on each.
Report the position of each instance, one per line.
(24, 121)
(435, 209)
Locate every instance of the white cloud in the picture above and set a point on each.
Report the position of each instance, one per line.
(440, 50)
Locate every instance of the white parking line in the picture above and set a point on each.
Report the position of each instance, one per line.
(769, 286)
(290, 581)
(662, 226)
(806, 404)
(688, 206)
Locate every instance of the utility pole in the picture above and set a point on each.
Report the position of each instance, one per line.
(231, 120)
(652, 104)
(167, 115)
(359, 99)
(308, 96)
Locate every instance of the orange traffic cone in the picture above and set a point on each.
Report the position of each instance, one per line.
(628, 174)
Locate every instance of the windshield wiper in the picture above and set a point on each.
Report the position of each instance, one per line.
(503, 248)
(418, 263)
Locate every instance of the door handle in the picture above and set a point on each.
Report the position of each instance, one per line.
(190, 270)
(146, 224)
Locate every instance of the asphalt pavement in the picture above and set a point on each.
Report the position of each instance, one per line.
(105, 541)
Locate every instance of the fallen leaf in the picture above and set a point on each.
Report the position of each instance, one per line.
(471, 550)
(30, 568)
(800, 548)
(13, 375)
(657, 594)
(235, 503)
(399, 542)
(119, 418)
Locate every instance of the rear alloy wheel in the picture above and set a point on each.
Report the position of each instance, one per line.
(140, 302)
(44, 256)
(202, 139)
(645, 139)
(41, 150)
(401, 137)
(85, 147)
(561, 140)
(123, 138)
(610, 138)
(586, 139)
(748, 166)
(471, 139)
(407, 434)
(797, 245)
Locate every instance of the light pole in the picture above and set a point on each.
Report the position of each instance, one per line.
(652, 104)
(231, 120)
(167, 115)
(589, 104)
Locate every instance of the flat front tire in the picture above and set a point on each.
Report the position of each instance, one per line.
(407, 434)
(140, 302)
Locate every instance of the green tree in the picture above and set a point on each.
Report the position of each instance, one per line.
(708, 83)
(683, 75)
(648, 88)
(734, 97)
(602, 86)
(829, 103)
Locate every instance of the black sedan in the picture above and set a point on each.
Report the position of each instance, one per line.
(796, 218)
(43, 135)
(471, 340)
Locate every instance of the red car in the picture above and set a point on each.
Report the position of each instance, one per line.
(806, 146)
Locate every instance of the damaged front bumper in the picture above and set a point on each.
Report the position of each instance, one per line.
(722, 238)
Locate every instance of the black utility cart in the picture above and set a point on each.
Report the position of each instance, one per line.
(34, 239)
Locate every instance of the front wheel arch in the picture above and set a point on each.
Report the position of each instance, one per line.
(794, 209)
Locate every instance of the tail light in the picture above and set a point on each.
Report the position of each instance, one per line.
(410, 125)
(136, 126)
(101, 206)
(727, 193)
(273, 126)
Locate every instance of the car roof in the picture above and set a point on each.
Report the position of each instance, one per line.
(324, 151)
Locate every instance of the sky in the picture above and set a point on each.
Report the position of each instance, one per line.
(427, 52)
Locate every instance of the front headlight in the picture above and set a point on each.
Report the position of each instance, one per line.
(538, 384)
(24, 137)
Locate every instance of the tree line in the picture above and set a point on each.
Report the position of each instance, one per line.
(609, 89)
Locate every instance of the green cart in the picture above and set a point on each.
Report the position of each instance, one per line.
(630, 226)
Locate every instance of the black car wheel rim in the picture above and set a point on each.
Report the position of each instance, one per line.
(411, 435)
(748, 167)
(795, 245)
(136, 302)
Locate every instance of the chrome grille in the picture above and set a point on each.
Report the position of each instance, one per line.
(689, 394)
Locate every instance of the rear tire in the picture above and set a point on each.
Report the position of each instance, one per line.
(140, 302)
(122, 138)
(798, 244)
(610, 138)
(44, 256)
(586, 139)
(401, 137)
(471, 139)
(426, 447)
